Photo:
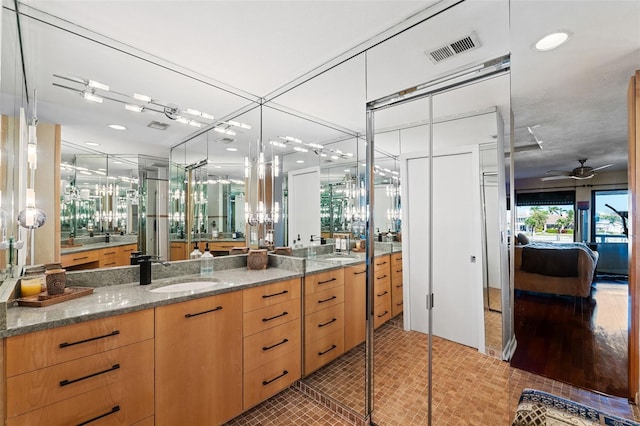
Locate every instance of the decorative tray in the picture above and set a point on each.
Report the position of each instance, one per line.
(44, 299)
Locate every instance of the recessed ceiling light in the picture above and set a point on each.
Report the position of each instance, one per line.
(300, 161)
(347, 170)
(232, 149)
(92, 144)
(117, 127)
(551, 41)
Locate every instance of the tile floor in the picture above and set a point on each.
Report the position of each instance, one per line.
(468, 388)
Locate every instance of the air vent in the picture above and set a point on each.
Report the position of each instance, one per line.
(227, 140)
(464, 44)
(158, 125)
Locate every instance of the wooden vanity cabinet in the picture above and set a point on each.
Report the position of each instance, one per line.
(107, 257)
(178, 250)
(323, 319)
(100, 370)
(382, 290)
(396, 284)
(355, 302)
(198, 350)
(271, 339)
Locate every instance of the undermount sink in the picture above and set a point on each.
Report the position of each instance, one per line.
(189, 286)
(339, 259)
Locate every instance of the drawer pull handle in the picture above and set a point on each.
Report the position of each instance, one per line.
(113, 410)
(109, 264)
(265, 296)
(218, 308)
(110, 252)
(66, 345)
(66, 382)
(326, 300)
(383, 314)
(399, 303)
(80, 258)
(399, 285)
(399, 270)
(358, 273)
(380, 264)
(327, 281)
(266, 348)
(266, 382)
(381, 277)
(328, 322)
(328, 350)
(382, 294)
(277, 316)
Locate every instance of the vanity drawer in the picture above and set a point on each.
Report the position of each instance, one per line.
(397, 304)
(382, 265)
(114, 404)
(396, 277)
(381, 292)
(381, 281)
(74, 259)
(271, 316)
(109, 257)
(41, 349)
(382, 311)
(396, 261)
(271, 378)
(323, 350)
(323, 322)
(354, 271)
(270, 294)
(125, 254)
(323, 299)
(36, 389)
(323, 281)
(262, 348)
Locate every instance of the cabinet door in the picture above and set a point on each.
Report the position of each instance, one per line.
(178, 250)
(355, 301)
(125, 254)
(199, 361)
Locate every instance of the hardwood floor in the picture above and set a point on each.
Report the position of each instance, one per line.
(578, 341)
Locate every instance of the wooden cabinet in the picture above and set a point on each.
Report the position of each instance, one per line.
(198, 350)
(355, 302)
(324, 318)
(382, 290)
(107, 257)
(272, 339)
(178, 250)
(396, 284)
(97, 370)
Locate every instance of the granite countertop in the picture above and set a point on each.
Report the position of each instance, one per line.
(123, 298)
(95, 246)
(210, 240)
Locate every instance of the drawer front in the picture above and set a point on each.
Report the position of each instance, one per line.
(396, 277)
(380, 288)
(109, 257)
(397, 305)
(269, 317)
(36, 389)
(323, 299)
(149, 421)
(271, 378)
(106, 406)
(276, 342)
(382, 312)
(41, 349)
(382, 265)
(396, 261)
(125, 254)
(321, 323)
(354, 271)
(323, 350)
(270, 294)
(80, 258)
(178, 251)
(323, 281)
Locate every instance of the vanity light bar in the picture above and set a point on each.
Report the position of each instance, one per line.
(97, 85)
(91, 97)
(238, 124)
(134, 108)
(143, 98)
(224, 131)
(278, 144)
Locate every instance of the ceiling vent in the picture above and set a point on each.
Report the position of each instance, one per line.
(158, 125)
(226, 140)
(464, 44)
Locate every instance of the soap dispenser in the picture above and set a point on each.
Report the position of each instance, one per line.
(311, 251)
(196, 253)
(206, 262)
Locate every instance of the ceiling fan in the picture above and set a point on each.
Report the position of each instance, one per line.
(579, 173)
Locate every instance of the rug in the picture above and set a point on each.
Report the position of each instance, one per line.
(537, 408)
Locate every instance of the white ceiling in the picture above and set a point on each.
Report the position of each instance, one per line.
(575, 95)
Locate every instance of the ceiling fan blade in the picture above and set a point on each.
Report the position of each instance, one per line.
(557, 177)
(559, 173)
(603, 167)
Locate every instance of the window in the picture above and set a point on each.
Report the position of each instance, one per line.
(609, 216)
(546, 216)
